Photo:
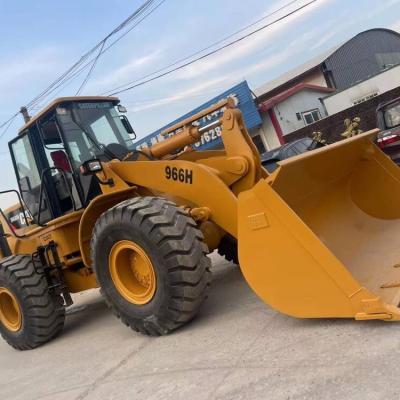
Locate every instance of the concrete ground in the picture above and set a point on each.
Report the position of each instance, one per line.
(237, 348)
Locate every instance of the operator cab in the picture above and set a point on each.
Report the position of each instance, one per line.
(52, 146)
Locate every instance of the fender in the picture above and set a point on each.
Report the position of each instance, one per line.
(192, 183)
(93, 211)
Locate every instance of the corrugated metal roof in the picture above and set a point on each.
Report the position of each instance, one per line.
(363, 56)
(349, 50)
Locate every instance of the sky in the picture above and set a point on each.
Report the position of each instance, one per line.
(41, 39)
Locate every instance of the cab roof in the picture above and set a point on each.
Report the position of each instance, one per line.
(61, 100)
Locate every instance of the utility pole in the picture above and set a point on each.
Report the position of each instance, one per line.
(24, 111)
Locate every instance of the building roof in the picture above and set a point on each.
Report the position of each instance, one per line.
(60, 100)
(295, 72)
(271, 102)
(308, 66)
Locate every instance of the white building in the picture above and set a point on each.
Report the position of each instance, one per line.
(362, 91)
(291, 110)
(318, 87)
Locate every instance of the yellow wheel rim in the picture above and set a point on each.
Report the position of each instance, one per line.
(10, 311)
(132, 272)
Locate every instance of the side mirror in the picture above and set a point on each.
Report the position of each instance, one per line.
(91, 167)
(127, 125)
(121, 109)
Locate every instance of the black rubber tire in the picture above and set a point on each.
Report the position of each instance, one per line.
(43, 313)
(176, 249)
(228, 248)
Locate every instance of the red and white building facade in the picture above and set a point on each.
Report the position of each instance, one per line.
(296, 99)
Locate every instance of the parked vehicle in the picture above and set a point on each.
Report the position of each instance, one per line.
(270, 159)
(388, 121)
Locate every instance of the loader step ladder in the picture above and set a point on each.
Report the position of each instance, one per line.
(47, 261)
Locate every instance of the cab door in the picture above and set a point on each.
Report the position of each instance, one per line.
(29, 178)
(57, 166)
(42, 170)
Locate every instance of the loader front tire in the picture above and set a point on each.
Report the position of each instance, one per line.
(150, 261)
(29, 314)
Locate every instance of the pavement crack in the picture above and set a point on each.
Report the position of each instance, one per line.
(102, 378)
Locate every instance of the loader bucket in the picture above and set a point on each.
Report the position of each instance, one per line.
(321, 236)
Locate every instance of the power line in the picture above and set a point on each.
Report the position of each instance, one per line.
(90, 52)
(71, 72)
(152, 103)
(212, 52)
(83, 84)
(80, 70)
(205, 48)
(64, 77)
(61, 78)
(8, 123)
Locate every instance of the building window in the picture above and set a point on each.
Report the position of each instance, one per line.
(365, 98)
(312, 116)
(298, 116)
(259, 144)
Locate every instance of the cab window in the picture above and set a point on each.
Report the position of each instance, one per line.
(29, 178)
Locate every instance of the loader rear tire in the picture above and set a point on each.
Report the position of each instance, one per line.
(160, 241)
(29, 314)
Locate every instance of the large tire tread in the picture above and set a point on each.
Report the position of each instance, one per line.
(180, 244)
(43, 313)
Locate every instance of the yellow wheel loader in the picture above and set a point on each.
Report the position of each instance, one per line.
(316, 238)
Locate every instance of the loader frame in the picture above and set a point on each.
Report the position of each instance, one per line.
(170, 168)
(306, 271)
